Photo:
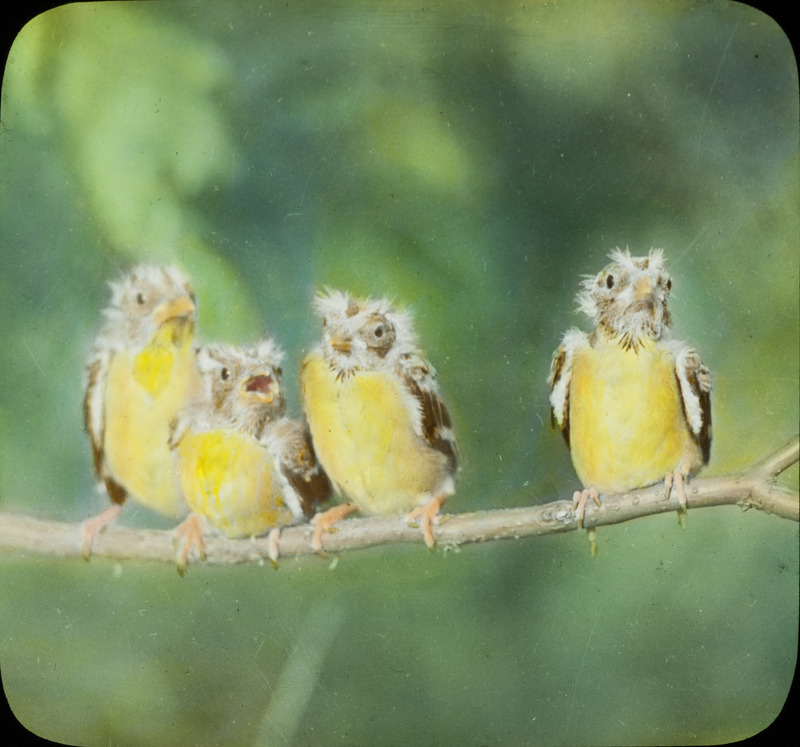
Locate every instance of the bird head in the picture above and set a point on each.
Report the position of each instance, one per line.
(151, 301)
(628, 299)
(242, 385)
(362, 334)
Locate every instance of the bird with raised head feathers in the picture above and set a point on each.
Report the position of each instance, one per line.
(633, 405)
(141, 372)
(378, 423)
(244, 468)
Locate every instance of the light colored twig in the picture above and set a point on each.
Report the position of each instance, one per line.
(753, 488)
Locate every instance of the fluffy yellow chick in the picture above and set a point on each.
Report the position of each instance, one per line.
(140, 374)
(634, 406)
(244, 468)
(377, 421)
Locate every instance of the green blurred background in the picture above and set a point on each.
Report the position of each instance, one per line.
(472, 163)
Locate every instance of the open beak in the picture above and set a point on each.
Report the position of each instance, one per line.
(264, 386)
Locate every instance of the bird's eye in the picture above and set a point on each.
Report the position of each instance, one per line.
(224, 373)
(378, 334)
(669, 284)
(140, 298)
(610, 281)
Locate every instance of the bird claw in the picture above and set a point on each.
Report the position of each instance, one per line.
(678, 479)
(92, 527)
(579, 500)
(188, 536)
(324, 522)
(274, 546)
(429, 513)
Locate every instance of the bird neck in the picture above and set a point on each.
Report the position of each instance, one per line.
(177, 332)
(152, 366)
(630, 340)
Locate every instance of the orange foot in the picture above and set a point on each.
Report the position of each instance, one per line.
(579, 500)
(92, 526)
(679, 479)
(188, 536)
(324, 522)
(430, 516)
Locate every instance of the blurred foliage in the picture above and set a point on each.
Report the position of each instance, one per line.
(471, 162)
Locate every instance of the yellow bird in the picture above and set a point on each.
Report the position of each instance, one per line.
(243, 467)
(634, 406)
(140, 374)
(378, 424)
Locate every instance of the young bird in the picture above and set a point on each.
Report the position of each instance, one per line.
(242, 465)
(634, 407)
(377, 421)
(140, 374)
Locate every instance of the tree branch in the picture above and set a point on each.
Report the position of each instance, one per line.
(753, 488)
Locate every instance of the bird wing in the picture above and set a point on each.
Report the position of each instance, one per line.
(178, 427)
(436, 425)
(94, 422)
(560, 378)
(93, 408)
(694, 383)
(298, 464)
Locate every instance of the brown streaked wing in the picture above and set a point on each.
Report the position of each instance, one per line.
(556, 372)
(89, 416)
(115, 491)
(699, 379)
(300, 467)
(436, 423)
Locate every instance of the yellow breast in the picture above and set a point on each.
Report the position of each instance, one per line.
(363, 432)
(228, 478)
(144, 392)
(627, 427)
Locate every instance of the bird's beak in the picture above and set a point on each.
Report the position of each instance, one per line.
(340, 344)
(643, 289)
(264, 386)
(183, 306)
